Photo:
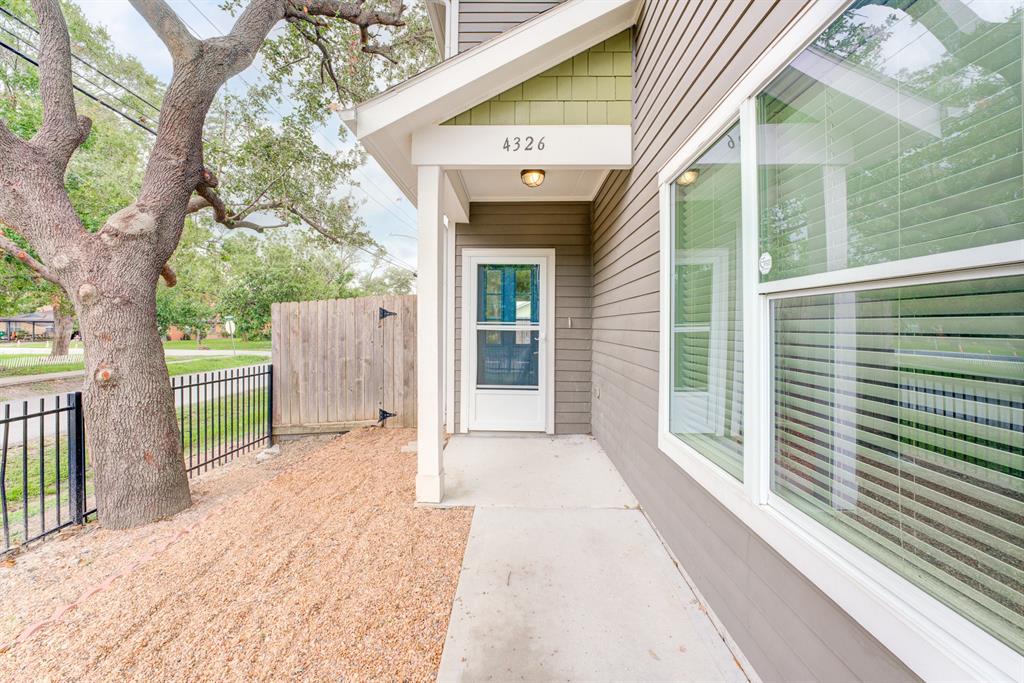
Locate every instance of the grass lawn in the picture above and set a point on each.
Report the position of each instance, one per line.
(24, 370)
(220, 345)
(213, 344)
(176, 367)
(211, 429)
(191, 365)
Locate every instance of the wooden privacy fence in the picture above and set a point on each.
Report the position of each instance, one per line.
(338, 363)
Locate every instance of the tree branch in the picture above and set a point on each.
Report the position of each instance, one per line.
(252, 205)
(175, 165)
(169, 276)
(208, 198)
(311, 222)
(356, 13)
(23, 256)
(220, 211)
(169, 28)
(353, 12)
(62, 130)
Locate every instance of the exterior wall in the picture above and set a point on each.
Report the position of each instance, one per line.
(593, 87)
(480, 20)
(687, 55)
(564, 227)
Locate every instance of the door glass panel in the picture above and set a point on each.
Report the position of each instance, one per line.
(508, 293)
(509, 297)
(507, 358)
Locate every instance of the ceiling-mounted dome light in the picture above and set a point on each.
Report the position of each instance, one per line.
(532, 177)
(688, 177)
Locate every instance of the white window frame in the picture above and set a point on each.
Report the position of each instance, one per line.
(934, 640)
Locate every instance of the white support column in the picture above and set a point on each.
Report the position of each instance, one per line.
(449, 331)
(430, 336)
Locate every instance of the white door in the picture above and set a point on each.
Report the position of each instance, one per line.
(508, 317)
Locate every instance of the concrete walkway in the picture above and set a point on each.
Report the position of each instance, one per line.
(563, 577)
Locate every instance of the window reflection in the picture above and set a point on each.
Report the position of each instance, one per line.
(706, 405)
(897, 134)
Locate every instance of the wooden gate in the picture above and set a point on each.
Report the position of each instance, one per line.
(338, 363)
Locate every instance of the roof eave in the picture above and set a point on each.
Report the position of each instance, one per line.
(385, 123)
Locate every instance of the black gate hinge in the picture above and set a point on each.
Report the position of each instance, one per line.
(385, 313)
(383, 415)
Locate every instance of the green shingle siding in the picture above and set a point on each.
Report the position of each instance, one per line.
(594, 87)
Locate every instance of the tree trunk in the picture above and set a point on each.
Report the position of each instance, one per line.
(133, 438)
(63, 322)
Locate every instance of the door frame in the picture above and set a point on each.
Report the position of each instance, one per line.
(471, 257)
(718, 329)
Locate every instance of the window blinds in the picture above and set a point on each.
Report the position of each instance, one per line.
(898, 420)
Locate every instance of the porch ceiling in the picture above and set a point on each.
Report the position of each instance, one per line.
(505, 185)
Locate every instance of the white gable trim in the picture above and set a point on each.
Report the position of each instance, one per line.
(385, 124)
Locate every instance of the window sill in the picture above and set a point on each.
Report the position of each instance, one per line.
(934, 641)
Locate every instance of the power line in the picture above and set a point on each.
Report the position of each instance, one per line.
(88, 80)
(88, 94)
(87, 63)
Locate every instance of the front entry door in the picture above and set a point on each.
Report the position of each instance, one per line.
(507, 330)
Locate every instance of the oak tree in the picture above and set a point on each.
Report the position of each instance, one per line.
(111, 275)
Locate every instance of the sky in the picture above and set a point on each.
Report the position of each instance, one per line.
(388, 215)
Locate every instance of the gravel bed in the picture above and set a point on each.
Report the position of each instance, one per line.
(314, 565)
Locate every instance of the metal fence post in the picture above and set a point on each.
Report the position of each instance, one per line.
(76, 458)
(270, 405)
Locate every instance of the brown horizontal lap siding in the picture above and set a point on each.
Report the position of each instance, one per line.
(687, 55)
(481, 21)
(564, 227)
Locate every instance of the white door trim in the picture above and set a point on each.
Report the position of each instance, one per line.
(547, 305)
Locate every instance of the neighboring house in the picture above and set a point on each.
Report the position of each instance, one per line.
(213, 331)
(774, 265)
(28, 325)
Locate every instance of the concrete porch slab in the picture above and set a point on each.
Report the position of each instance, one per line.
(532, 471)
(568, 581)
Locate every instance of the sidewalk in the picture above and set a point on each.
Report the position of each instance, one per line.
(563, 577)
(18, 380)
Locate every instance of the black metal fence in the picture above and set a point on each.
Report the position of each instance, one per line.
(222, 414)
(46, 477)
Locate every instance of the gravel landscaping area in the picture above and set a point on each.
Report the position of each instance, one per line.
(314, 565)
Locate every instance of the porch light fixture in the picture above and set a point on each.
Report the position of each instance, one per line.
(688, 177)
(532, 177)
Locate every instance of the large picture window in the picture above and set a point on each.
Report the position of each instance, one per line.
(707, 316)
(843, 319)
(897, 425)
(896, 134)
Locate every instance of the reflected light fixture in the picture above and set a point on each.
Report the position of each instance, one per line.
(532, 177)
(688, 177)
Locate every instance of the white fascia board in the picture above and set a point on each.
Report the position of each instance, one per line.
(437, 11)
(393, 157)
(474, 76)
(456, 198)
(546, 147)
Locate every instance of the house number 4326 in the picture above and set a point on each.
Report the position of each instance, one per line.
(527, 144)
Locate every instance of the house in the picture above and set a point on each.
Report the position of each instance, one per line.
(38, 324)
(771, 255)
